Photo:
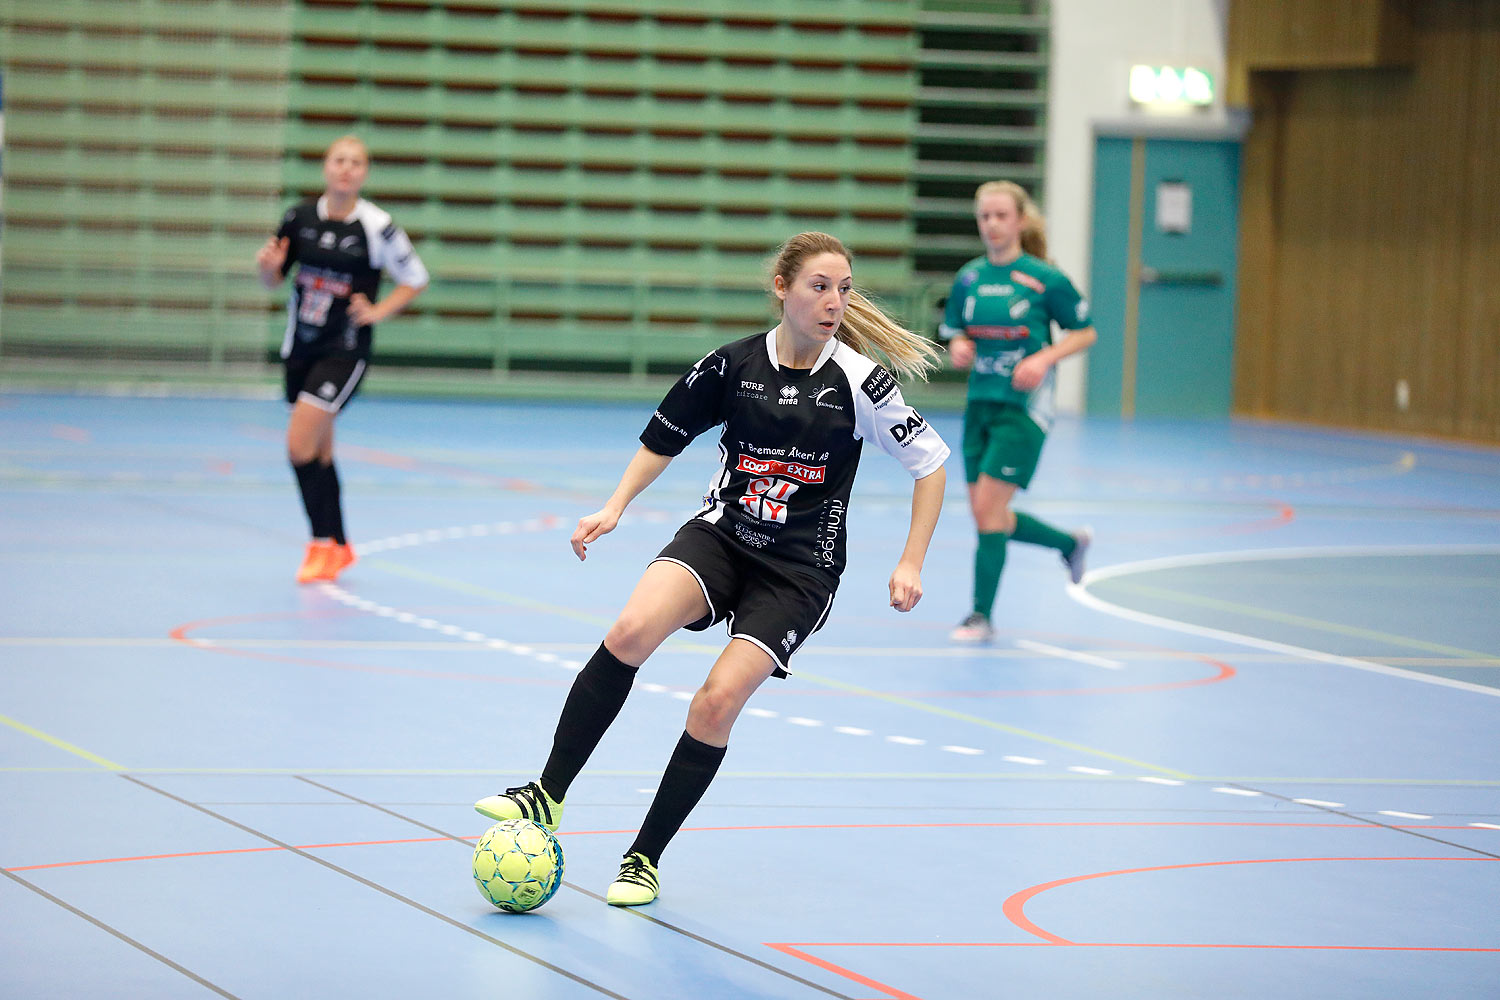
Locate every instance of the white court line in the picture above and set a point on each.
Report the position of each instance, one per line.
(1080, 769)
(1320, 802)
(1079, 592)
(1068, 654)
(1153, 780)
(1023, 760)
(1403, 815)
(1487, 826)
(1237, 791)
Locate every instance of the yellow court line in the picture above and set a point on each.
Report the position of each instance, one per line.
(990, 724)
(1289, 619)
(516, 599)
(486, 592)
(61, 744)
(816, 679)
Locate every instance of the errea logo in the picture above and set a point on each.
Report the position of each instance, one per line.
(788, 396)
(790, 640)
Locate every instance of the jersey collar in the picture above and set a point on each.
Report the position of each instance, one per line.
(827, 351)
(359, 203)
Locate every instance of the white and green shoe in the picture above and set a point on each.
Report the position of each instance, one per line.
(636, 884)
(528, 801)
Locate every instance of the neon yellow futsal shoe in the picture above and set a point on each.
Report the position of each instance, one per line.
(636, 884)
(525, 802)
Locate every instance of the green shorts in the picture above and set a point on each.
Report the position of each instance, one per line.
(1001, 441)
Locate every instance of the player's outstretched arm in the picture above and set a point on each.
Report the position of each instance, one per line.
(640, 473)
(926, 504)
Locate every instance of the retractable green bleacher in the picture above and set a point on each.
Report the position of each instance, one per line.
(143, 149)
(594, 184)
(597, 183)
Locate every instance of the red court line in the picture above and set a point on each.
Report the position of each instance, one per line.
(794, 949)
(889, 991)
(1013, 910)
(755, 829)
(1014, 907)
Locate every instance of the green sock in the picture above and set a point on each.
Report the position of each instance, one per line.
(1034, 532)
(989, 560)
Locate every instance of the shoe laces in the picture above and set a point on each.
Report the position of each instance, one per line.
(635, 868)
(533, 801)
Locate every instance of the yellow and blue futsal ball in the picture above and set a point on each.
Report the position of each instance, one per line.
(518, 865)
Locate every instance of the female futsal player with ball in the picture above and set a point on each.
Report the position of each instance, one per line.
(340, 244)
(766, 550)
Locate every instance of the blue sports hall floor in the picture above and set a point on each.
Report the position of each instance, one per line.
(1255, 754)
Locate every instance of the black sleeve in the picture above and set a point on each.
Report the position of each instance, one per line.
(693, 405)
(288, 228)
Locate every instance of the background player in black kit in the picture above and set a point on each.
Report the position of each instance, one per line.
(766, 550)
(341, 244)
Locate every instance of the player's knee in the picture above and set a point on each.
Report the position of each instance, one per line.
(712, 712)
(632, 637)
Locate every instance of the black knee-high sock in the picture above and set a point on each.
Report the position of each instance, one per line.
(596, 698)
(688, 775)
(310, 481)
(333, 507)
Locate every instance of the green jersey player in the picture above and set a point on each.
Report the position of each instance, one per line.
(998, 323)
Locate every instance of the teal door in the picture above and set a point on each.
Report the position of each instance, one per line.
(1166, 228)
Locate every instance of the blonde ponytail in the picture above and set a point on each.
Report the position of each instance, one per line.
(870, 331)
(865, 327)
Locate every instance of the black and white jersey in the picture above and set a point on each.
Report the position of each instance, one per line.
(791, 442)
(336, 258)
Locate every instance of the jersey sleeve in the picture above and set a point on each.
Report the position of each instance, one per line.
(1066, 307)
(394, 254)
(693, 405)
(882, 415)
(953, 314)
(288, 231)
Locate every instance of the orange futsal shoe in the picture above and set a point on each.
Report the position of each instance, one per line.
(315, 562)
(338, 559)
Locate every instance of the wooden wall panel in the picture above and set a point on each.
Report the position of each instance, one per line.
(1370, 209)
(1477, 401)
(1307, 34)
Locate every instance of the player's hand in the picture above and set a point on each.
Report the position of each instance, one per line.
(272, 256)
(961, 351)
(1029, 372)
(601, 522)
(362, 311)
(906, 587)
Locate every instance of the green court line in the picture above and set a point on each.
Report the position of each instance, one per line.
(989, 724)
(1250, 611)
(64, 745)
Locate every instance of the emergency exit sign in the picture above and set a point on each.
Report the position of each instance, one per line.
(1171, 86)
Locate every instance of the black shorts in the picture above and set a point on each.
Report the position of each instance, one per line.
(327, 383)
(766, 601)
